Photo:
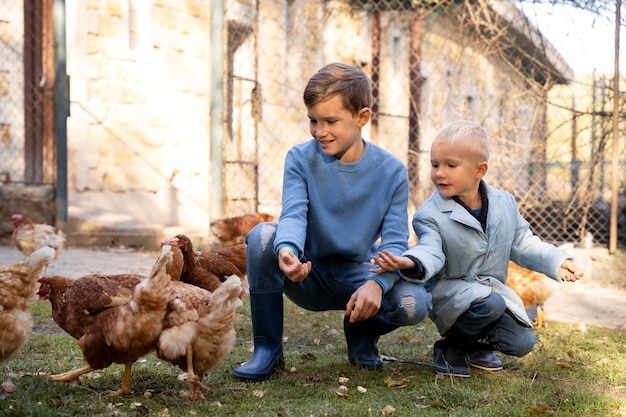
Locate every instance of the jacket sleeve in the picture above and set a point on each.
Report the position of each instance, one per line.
(429, 249)
(532, 253)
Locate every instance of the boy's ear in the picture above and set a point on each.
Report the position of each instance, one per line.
(364, 116)
(482, 169)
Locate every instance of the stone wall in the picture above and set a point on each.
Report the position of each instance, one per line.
(138, 134)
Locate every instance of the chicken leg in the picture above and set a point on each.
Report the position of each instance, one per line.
(125, 389)
(76, 374)
(71, 375)
(194, 382)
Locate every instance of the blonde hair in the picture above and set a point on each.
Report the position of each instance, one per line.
(347, 81)
(475, 134)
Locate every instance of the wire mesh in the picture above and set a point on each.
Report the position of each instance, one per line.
(26, 92)
(431, 62)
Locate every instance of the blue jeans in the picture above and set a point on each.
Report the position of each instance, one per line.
(330, 283)
(489, 318)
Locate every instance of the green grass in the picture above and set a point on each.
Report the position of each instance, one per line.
(570, 373)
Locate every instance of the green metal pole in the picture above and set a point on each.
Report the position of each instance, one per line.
(61, 109)
(217, 108)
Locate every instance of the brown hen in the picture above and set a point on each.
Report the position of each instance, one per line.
(115, 318)
(18, 291)
(534, 288)
(233, 230)
(209, 269)
(198, 329)
(29, 236)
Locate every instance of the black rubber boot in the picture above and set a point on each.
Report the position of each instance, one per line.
(450, 360)
(267, 329)
(361, 338)
(450, 353)
(481, 356)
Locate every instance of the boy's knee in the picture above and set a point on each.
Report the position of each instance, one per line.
(522, 344)
(262, 237)
(524, 347)
(414, 308)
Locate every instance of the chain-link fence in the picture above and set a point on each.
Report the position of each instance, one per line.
(431, 63)
(27, 152)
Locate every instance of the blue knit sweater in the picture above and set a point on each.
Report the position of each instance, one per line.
(333, 208)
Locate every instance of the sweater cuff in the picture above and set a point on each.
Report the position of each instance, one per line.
(386, 280)
(288, 245)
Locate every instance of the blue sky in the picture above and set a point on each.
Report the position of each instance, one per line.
(585, 40)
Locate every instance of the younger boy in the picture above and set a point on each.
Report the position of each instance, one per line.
(467, 233)
(340, 195)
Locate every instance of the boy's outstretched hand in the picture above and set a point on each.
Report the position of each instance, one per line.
(291, 266)
(388, 262)
(570, 271)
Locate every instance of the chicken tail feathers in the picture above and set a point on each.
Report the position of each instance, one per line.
(151, 293)
(38, 260)
(227, 294)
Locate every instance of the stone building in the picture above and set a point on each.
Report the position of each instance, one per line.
(182, 111)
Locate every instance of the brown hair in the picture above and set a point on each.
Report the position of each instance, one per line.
(347, 81)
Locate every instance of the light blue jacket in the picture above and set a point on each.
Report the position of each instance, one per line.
(464, 264)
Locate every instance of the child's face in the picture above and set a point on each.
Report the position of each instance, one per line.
(456, 170)
(337, 130)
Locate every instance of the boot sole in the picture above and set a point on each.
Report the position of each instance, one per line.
(439, 373)
(486, 368)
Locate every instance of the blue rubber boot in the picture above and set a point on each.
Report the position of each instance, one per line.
(267, 329)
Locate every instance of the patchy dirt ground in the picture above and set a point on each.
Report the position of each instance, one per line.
(599, 299)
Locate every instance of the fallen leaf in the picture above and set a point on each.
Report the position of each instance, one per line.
(388, 410)
(308, 357)
(259, 393)
(391, 383)
(407, 339)
(563, 364)
(343, 380)
(342, 393)
(437, 404)
(540, 409)
(361, 389)
(8, 386)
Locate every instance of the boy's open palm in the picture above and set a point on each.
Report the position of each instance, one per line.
(570, 271)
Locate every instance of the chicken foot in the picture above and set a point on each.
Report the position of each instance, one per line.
(125, 389)
(71, 375)
(194, 382)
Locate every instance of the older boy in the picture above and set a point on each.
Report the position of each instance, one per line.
(340, 195)
(467, 233)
